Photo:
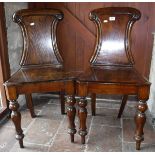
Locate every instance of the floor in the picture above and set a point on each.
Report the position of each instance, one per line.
(48, 131)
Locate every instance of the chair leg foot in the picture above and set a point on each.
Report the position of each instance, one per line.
(82, 139)
(21, 143)
(72, 138)
(138, 145)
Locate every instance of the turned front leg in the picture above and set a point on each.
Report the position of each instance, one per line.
(71, 112)
(82, 113)
(140, 120)
(16, 118)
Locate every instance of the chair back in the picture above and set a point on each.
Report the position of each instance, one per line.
(39, 35)
(113, 44)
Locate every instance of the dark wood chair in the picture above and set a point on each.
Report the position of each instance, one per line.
(41, 66)
(112, 67)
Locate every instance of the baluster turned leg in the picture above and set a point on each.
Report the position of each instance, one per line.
(16, 118)
(140, 120)
(71, 112)
(82, 113)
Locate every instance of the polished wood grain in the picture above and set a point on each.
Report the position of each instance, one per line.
(112, 46)
(39, 44)
(128, 75)
(112, 68)
(39, 74)
(39, 41)
(118, 77)
(80, 47)
(41, 65)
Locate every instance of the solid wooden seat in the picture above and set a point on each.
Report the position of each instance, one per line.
(39, 74)
(113, 74)
(112, 66)
(41, 66)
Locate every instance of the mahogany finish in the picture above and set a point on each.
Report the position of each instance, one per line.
(37, 44)
(112, 66)
(41, 66)
(76, 48)
(39, 32)
(113, 30)
(112, 69)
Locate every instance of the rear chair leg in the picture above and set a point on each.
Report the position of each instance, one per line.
(93, 104)
(124, 101)
(30, 106)
(62, 100)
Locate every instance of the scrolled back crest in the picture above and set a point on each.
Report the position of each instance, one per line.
(17, 16)
(136, 14)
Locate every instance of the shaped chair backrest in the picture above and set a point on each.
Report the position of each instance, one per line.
(39, 34)
(114, 26)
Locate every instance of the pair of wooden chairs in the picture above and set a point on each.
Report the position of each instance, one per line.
(111, 68)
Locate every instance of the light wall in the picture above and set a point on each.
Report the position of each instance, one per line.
(14, 37)
(151, 101)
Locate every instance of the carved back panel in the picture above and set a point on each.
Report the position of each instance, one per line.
(39, 33)
(113, 43)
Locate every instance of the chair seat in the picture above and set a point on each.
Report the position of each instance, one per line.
(40, 74)
(120, 75)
